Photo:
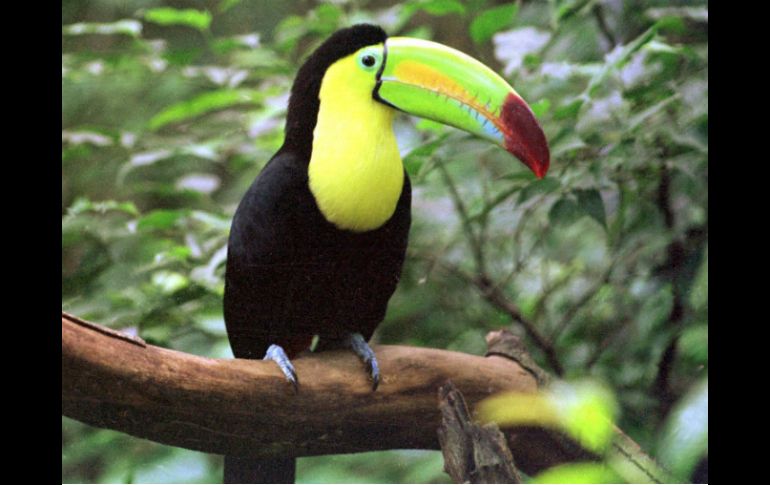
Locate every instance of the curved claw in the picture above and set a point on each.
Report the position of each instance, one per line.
(278, 355)
(359, 346)
(374, 371)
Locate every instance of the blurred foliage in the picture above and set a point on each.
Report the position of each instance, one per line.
(584, 410)
(684, 441)
(170, 110)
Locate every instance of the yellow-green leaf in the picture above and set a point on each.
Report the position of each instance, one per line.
(585, 410)
(197, 19)
(578, 473)
(519, 409)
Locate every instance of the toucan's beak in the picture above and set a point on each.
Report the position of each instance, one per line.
(439, 83)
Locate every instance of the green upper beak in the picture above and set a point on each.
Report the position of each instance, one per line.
(439, 83)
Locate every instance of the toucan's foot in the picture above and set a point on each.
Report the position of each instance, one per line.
(358, 345)
(277, 355)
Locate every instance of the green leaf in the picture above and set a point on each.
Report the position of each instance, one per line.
(685, 434)
(589, 472)
(564, 212)
(531, 61)
(202, 104)
(441, 7)
(197, 19)
(131, 28)
(413, 164)
(416, 160)
(569, 109)
(541, 107)
(671, 25)
(160, 219)
(491, 21)
(182, 57)
(590, 202)
(694, 343)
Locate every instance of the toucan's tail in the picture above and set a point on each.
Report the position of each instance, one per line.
(253, 470)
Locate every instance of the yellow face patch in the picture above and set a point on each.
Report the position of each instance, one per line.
(355, 171)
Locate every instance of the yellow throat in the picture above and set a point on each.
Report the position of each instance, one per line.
(355, 171)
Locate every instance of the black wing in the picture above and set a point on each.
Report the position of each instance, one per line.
(260, 253)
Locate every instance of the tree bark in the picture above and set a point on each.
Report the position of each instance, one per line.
(473, 453)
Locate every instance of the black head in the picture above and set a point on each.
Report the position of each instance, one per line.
(304, 103)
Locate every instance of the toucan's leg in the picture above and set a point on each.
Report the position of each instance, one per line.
(359, 347)
(277, 355)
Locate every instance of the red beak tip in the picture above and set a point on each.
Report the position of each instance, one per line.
(540, 169)
(525, 138)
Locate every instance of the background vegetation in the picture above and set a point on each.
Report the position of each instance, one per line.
(170, 108)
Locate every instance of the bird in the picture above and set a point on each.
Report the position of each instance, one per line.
(318, 241)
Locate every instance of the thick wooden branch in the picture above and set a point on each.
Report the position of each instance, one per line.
(243, 407)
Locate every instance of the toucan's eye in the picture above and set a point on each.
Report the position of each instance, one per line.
(369, 59)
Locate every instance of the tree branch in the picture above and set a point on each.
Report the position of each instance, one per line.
(244, 407)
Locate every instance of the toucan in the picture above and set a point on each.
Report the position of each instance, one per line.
(318, 241)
